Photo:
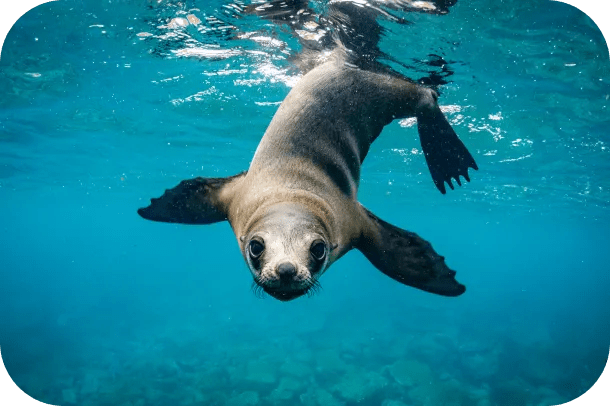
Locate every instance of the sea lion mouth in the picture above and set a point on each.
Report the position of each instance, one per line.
(285, 293)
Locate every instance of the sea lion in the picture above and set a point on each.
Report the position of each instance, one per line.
(295, 210)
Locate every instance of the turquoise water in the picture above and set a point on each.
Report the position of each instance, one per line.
(104, 105)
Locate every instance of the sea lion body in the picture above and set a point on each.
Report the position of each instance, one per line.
(295, 211)
(316, 142)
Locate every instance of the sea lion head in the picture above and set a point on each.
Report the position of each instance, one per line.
(287, 248)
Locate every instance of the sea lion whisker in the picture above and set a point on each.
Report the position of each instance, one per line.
(257, 288)
(312, 287)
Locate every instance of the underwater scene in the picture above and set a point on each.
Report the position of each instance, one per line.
(106, 104)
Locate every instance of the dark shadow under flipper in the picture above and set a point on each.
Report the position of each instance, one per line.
(192, 201)
(407, 258)
(446, 155)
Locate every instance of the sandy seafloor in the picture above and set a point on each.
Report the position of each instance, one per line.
(105, 105)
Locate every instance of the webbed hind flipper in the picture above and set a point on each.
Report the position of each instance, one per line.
(193, 201)
(406, 257)
(446, 155)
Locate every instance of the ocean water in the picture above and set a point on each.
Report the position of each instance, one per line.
(105, 104)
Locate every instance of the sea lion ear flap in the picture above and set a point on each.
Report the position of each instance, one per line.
(193, 201)
(407, 258)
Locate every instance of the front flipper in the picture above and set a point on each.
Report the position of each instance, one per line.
(193, 201)
(407, 258)
(446, 155)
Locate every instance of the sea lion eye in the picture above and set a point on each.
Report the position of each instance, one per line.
(256, 248)
(318, 250)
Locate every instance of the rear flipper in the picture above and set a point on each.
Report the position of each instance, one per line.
(446, 155)
(406, 257)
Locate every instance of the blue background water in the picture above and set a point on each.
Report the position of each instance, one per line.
(99, 307)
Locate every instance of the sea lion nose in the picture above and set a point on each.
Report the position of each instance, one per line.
(286, 271)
